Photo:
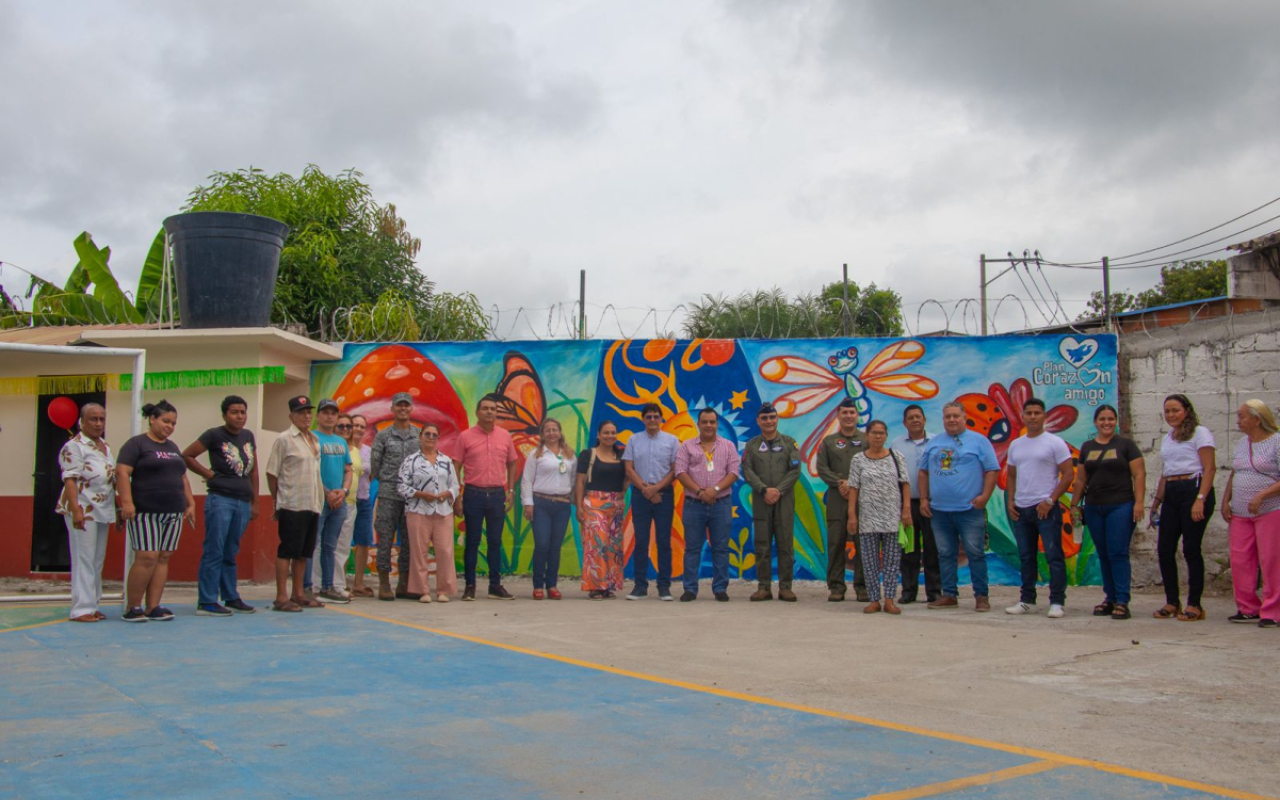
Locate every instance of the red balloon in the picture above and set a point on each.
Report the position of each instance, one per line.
(63, 412)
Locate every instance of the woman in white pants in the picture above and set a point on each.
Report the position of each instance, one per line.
(88, 503)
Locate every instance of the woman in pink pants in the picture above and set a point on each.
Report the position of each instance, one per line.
(429, 484)
(1252, 509)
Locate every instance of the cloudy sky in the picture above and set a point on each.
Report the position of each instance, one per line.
(671, 149)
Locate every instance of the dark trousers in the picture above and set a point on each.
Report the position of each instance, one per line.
(1029, 529)
(550, 521)
(837, 561)
(1176, 523)
(483, 512)
(648, 518)
(927, 548)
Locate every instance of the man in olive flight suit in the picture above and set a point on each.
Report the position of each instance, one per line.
(834, 455)
(771, 465)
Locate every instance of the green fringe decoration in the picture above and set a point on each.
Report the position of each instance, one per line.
(59, 384)
(198, 378)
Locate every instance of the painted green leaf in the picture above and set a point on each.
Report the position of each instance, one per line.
(152, 269)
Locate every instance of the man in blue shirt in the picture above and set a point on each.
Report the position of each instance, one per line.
(957, 475)
(335, 476)
(650, 460)
(911, 446)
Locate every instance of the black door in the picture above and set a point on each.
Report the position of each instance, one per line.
(49, 552)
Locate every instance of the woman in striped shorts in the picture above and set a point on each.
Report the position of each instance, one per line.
(155, 498)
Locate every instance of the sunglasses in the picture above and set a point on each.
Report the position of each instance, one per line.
(343, 427)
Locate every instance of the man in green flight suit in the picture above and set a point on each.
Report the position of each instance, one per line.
(834, 455)
(771, 465)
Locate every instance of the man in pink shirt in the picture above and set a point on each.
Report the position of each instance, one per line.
(486, 460)
(707, 467)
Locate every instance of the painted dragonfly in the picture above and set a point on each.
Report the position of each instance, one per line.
(821, 385)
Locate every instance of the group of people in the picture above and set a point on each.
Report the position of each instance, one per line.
(904, 504)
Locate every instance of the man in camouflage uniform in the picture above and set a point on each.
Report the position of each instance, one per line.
(771, 465)
(391, 447)
(834, 455)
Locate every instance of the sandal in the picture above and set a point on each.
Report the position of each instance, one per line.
(1121, 611)
(1168, 611)
(307, 602)
(1191, 614)
(287, 605)
(1104, 609)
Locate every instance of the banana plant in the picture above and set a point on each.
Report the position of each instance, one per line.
(91, 295)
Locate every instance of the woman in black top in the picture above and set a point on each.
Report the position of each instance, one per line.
(1111, 487)
(600, 493)
(229, 505)
(155, 498)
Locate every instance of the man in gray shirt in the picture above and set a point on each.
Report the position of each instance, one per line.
(391, 447)
(910, 446)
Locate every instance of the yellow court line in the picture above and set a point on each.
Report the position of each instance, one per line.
(985, 779)
(1044, 755)
(36, 625)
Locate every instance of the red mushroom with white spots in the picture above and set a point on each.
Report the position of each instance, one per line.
(368, 388)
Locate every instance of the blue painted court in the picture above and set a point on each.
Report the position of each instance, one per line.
(336, 705)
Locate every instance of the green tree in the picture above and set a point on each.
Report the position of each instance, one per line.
(771, 314)
(1179, 283)
(343, 248)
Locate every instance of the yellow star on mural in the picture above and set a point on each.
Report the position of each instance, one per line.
(738, 400)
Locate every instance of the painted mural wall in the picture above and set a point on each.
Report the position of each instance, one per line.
(582, 383)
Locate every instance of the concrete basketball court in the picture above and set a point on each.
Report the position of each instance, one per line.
(637, 700)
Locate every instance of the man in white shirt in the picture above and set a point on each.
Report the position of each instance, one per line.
(1040, 471)
(910, 446)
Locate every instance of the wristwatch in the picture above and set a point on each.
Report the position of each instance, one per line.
(1199, 497)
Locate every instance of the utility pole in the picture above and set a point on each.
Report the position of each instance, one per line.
(582, 304)
(983, 261)
(1106, 293)
(844, 316)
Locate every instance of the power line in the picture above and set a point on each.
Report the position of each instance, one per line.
(1179, 241)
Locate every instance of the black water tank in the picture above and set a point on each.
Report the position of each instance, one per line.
(225, 266)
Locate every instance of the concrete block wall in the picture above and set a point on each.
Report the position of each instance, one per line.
(1218, 364)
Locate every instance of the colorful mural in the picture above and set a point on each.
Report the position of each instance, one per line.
(582, 383)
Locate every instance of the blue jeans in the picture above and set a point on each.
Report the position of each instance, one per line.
(702, 521)
(950, 529)
(225, 519)
(331, 520)
(659, 515)
(1029, 529)
(1111, 527)
(483, 513)
(550, 521)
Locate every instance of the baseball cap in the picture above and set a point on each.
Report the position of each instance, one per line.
(402, 397)
(327, 403)
(299, 403)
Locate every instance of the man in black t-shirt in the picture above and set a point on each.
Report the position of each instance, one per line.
(231, 502)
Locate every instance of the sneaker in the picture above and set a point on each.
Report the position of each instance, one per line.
(335, 596)
(134, 615)
(239, 606)
(1056, 611)
(469, 594)
(688, 597)
(722, 597)
(160, 614)
(498, 593)
(1267, 623)
(1022, 608)
(665, 597)
(636, 594)
(212, 610)
(1243, 618)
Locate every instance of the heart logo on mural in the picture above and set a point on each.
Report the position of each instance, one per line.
(1089, 377)
(1077, 352)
